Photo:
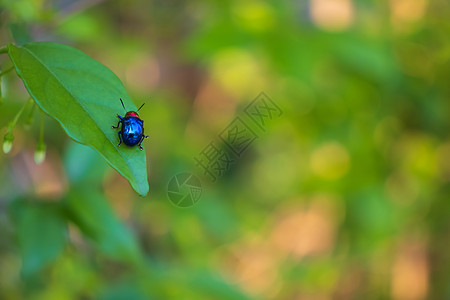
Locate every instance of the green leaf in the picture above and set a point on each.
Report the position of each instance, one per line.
(83, 166)
(41, 233)
(90, 211)
(83, 95)
(20, 33)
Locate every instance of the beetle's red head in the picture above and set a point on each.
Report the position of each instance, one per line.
(132, 114)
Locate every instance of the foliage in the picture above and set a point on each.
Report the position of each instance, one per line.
(343, 196)
(82, 95)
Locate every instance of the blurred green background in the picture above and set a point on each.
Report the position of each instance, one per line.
(344, 196)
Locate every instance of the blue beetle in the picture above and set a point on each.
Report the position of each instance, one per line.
(132, 131)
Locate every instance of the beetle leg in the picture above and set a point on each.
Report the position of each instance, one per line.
(140, 142)
(115, 127)
(120, 138)
(120, 121)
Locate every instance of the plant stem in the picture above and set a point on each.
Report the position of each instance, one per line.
(6, 71)
(41, 132)
(17, 116)
(29, 118)
(3, 49)
(39, 153)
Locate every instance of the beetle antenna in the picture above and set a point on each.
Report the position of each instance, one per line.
(141, 106)
(122, 104)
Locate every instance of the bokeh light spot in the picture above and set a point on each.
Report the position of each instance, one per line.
(404, 13)
(239, 72)
(254, 15)
(330, 161)
(332, 15)
(410, 272)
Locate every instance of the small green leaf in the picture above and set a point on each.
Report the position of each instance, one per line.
(83, 95)
(41, 232)
(90, 211)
